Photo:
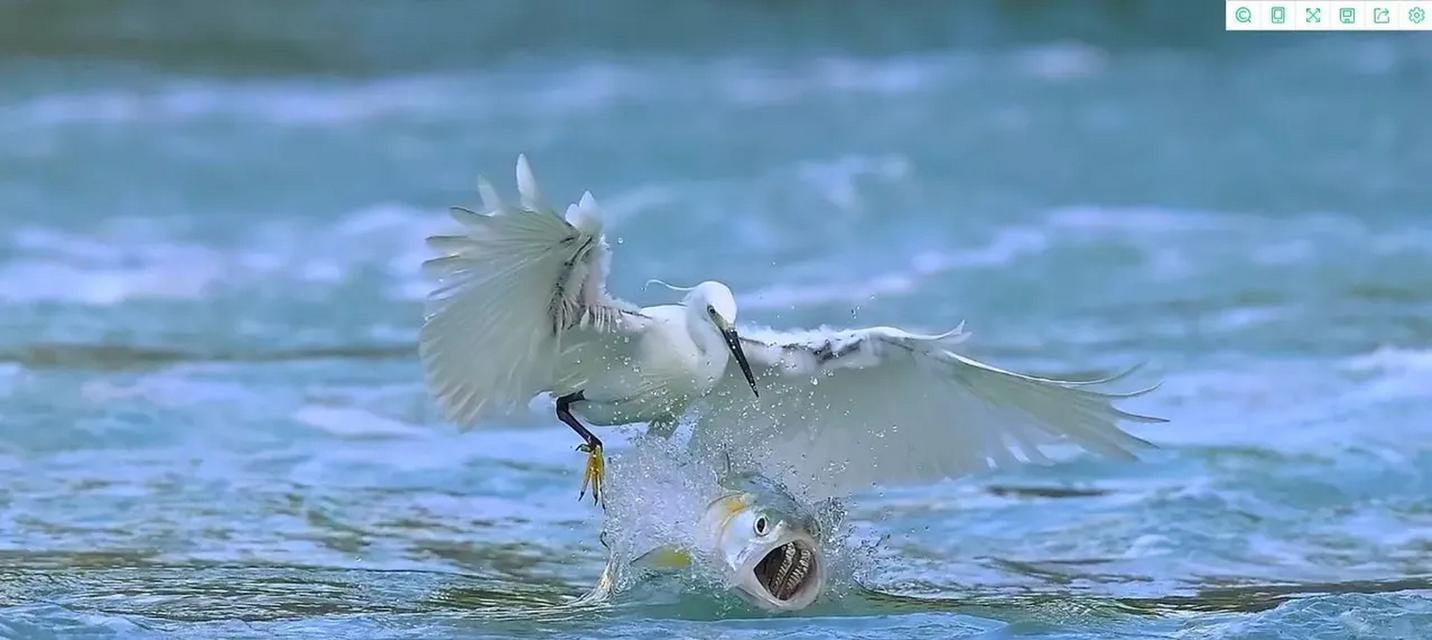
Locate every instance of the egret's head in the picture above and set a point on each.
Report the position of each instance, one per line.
(711, 302)
(716, 300)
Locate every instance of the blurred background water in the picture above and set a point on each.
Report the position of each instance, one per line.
(212, 422)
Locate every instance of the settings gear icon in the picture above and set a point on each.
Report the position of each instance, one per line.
(1416, 15)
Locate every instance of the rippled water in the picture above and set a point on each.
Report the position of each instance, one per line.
(212, 422)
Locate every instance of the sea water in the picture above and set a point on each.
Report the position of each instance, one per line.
(213, 421)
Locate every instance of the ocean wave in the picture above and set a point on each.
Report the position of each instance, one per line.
(329, 102)
(1395, 360)
(1161, 240)
(838, 180)
(118, 357)
(1370, 616)
(1069, 60)
(281, 103)
(1005, 246)
(564, 88)
(138, 259)
(352, 422)
(1391, 375)
(113, 264)
(58, 266)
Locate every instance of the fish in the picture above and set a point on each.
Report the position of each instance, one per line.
(764, 545)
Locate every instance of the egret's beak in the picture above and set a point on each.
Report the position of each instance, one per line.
(734, 342)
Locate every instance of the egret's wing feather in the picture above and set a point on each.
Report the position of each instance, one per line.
(606, 370)
(847, 409)
(510, 289)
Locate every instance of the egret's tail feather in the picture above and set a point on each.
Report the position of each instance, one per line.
(508, 287)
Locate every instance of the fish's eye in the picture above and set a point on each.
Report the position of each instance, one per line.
(761, 525)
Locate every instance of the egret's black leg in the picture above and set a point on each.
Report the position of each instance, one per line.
(593, 446)
(564, 413)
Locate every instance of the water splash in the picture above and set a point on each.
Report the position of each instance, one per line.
(658, 492)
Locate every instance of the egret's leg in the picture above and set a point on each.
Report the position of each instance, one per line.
(593, 447)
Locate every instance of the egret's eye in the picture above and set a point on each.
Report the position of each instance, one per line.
(710, 310)
(761, 525)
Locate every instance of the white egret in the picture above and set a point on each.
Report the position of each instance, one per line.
(522, 308)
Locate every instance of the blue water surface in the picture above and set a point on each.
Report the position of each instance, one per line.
(213, 422)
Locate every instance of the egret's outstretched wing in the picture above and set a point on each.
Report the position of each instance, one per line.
(846, 409)
(511, 288)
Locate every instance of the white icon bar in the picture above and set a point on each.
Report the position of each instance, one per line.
(1325, 15)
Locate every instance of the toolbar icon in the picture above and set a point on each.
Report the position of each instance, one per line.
(1347, 15)
(1313, 15)
(1243, 14)
(1417, 15)
(1279, 15)
(1381, 15)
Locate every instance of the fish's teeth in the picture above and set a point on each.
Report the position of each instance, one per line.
(794, 570)
(783, 574)
(799, 574)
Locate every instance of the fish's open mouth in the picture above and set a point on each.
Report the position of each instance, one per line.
(786, 570)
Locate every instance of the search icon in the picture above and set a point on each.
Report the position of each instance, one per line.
(1243, 14)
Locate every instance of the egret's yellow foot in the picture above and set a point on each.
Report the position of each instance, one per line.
(596, 466)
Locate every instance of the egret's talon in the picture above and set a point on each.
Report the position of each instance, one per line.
(592, 476)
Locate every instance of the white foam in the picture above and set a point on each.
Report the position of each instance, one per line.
(184, 386)
(1007, 246)
(838, 179)
(130, 260)
(781, 296)
(761, 82)
(1393, 359)
(891, 76)
(1397, 374)
(1138, 220)
(1062, 61)
(340, 102)
(1160, 235)
(278, 103)
(103, 269)
(352, 422)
